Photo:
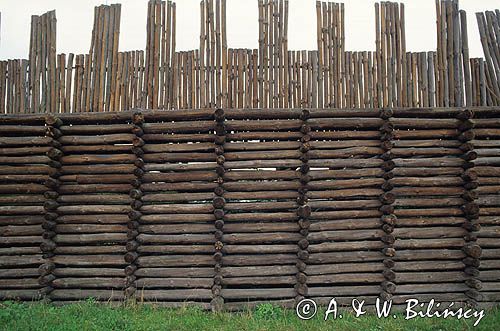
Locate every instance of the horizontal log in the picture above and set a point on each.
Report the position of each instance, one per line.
(82, 239)
(262, 164)
(19, 230)
(260, 206)
(40, 159)
(432, 212)
(423, 123)
(27, 295)
(177, 218)
(90, 228)
(176, 294)
(25, 141)
(178, 209)
(176, 228)
(93, 209)
(259, 195)
(94, 188)
(18, 240)
(95, 129)
(347, 278)
(151, 283)
(345, 153)
(180, 186)
(233, 227)
(248, 186)
(259, 249)
(180, 166)
(22, 220)
(176, 249)
(179, 177)
(428, 243)
(258, 281)
(345, 224)
(425, 151)
(340, 235)
(345, 163)
(427, 191)
(96, 158)
(177, 138)
(22, 260)
(175, 239)
(344, 214)
(426, 134)
(431, 202)
(431, 288)
(259, 260)
(340, 257)
(179, 127)
(97, 149)
(344, 290)
(334, 193)
(269, 293)
(107, 139)
(88, 283)
(81, 294)
(89, 260)
(344, 184)
(341, 144)
(275, 237)
(23, 151)
(253, 217)
(345, 246)
(339, 174)
(98, 169)
(175, 261)
(173, 148)
(429, 162)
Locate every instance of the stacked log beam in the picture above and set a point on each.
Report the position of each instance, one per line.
(176, 231)
(486, 144)
(96, 174)
(243, 206)
(344, 193)
(24, 170)
(428, 188)
(261, 229)
(136, 204)
(303, 210)
(219, 202)
(389, 220)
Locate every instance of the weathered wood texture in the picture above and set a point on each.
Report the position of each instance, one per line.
(271, 76)
(226, 209)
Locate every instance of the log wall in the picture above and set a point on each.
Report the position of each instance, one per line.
(230, 208)
(271, 76)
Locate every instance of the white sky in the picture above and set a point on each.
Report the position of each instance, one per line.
(75, 17)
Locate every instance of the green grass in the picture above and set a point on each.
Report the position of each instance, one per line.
(90, 315)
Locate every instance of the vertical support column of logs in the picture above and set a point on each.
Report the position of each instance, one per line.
(219, 202)
(387, 199)
(136, 204)
(303, 210)
(470, 208)
(49, 225)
